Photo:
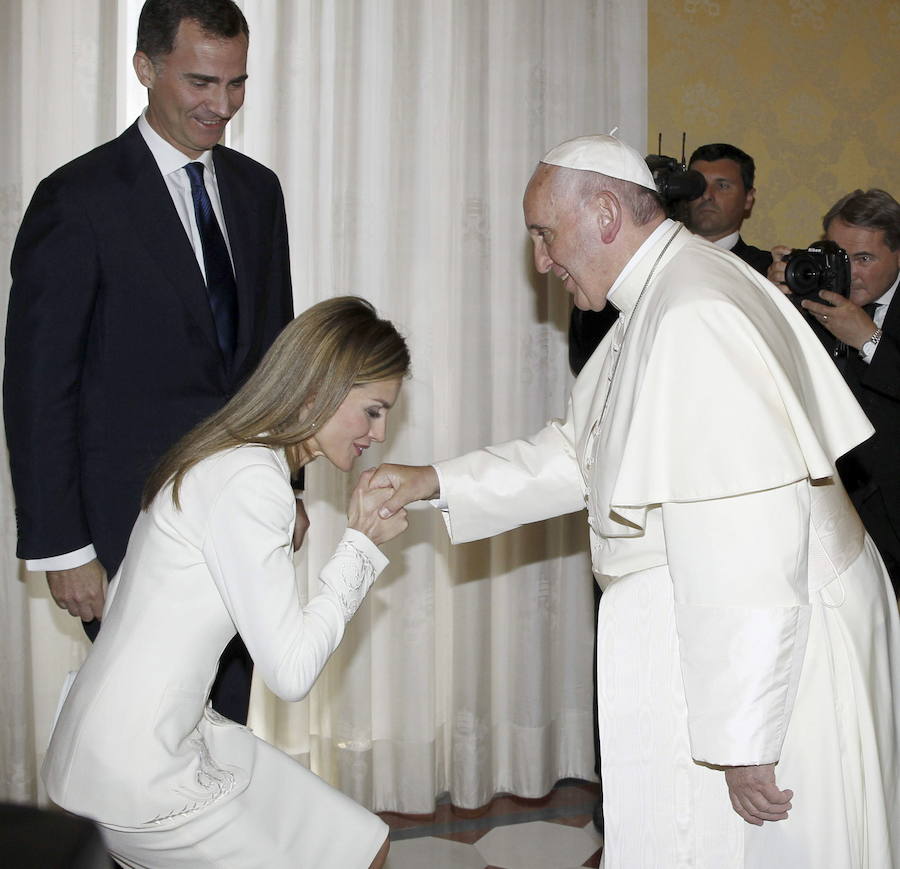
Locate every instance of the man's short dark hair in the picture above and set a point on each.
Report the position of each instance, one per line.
(159, 21)
(723, 151)
(870, 209)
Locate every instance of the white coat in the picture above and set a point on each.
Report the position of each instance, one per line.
(136, 747)
(747, 618)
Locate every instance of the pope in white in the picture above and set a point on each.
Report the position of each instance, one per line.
(748, 640)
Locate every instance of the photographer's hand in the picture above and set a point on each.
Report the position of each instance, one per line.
(845, 320)
(776, 271)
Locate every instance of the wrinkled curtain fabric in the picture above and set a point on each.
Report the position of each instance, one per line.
(404, 132)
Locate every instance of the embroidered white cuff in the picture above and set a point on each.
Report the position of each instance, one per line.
(352, 569)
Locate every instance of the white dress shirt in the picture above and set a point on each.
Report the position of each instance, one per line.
(171, 163)
(727, 242)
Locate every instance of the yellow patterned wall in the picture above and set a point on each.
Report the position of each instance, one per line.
(809, 88)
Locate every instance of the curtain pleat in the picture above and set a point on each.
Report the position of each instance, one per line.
(404, 132)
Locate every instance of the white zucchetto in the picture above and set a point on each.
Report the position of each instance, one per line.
(605, 154)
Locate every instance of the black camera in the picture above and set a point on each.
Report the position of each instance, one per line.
(675, 183)
(821, 266)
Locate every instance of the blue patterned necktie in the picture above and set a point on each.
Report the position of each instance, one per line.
(221, 289)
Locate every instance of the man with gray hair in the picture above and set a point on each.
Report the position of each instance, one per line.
(861, 332)
(748, 643)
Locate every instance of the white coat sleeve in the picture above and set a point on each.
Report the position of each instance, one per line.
(248, 550)
(739, 568)
(498, 488)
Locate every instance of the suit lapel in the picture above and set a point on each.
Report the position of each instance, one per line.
(150, 208)
(892, 317)
(242, 223)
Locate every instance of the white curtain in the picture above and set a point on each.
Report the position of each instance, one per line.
(404, 132)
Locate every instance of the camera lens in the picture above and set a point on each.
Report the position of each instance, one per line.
(802, 274)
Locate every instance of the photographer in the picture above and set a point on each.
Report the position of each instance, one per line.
(867, 321)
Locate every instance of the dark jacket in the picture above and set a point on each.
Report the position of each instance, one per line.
(111, 351)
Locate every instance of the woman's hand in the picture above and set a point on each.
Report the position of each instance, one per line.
(362, 512)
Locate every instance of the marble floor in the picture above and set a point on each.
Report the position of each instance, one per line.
(553, 832)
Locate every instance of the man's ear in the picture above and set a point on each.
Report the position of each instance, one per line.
(749, 201)
(144, 69)
(609, 215)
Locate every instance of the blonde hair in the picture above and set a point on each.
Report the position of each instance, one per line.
(299, 385)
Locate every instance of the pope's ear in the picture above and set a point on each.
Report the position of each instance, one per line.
(144, 69)
(609, 215)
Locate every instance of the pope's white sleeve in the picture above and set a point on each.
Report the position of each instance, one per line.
(739, 568)
(248, 549)
(498, 488)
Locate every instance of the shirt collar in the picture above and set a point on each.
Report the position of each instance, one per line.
(729, 241)
(624, 294)
(889, 295)
(168, 158)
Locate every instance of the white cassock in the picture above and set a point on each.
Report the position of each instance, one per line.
(746, 616)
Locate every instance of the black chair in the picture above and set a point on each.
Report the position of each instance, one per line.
(33, 838)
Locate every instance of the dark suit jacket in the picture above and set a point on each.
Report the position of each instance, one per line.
(871, 471)
(755, 257)
(111, 353)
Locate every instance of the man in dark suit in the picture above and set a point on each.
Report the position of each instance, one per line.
(727, 202)
(149, 277)
(867, 324)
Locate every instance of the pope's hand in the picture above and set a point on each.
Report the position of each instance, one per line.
(409, 482)
(754, 794)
